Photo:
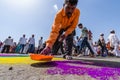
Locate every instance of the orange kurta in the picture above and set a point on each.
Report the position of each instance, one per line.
(62, 22)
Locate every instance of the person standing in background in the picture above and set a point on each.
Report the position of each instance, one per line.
(102, 44)
(22, 43)
(85, 37)
(40, 45)
(31, 42)
(7, 43)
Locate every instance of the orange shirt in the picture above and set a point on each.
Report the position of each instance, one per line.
(62, 22)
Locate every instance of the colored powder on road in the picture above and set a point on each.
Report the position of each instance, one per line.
(95, 70)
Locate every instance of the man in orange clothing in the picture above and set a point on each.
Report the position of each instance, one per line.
(63, 27)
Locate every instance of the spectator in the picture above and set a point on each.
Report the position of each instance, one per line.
(31, 42)
(40, 45)
(22, 43)
(84, 37)
(113, 41)
(102, 44)
(7, 43)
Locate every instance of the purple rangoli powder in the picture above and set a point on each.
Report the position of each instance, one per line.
(95, 70)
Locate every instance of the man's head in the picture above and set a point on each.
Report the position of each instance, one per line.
(69, 7)
(9, 36)
(32, 35)
(23, 35)
(41, 37)
(112, 31)
(101, 34)
(80, 25)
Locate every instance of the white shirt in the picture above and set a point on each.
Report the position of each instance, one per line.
(113, 39)
(22, 40)
(8, 41)
(40, 43)
(32, 40)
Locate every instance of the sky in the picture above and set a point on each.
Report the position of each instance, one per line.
(18, 17)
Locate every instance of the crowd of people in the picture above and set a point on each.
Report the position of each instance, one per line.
(23, 46)
(83, 45)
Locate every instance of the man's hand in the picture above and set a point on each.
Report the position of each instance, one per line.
(62, 37)
(46, 51)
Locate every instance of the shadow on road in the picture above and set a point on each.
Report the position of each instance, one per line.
(100, 63)
(78, 62)
(44, 65)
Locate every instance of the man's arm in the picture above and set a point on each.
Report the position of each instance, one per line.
(55, 30)
(80, 37)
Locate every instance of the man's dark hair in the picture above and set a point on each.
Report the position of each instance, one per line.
(112, 31)
(80, 24)
(72, 2)
(9, 36)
